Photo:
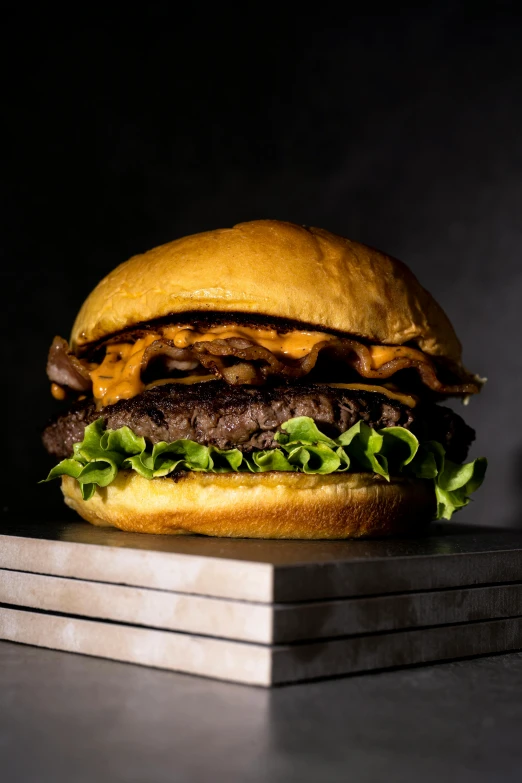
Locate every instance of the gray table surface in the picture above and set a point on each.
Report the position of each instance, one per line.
(71, 718)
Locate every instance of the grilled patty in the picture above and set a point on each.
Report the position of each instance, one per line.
(248, 417)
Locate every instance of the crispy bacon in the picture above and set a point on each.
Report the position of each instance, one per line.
(359, 357)
(173, 358)
(262, 363)
(255, 364)
(65, 369)
(240, 362)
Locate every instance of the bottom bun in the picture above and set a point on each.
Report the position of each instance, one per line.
(268, 505)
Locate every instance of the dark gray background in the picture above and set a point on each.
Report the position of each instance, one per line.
(401, 130)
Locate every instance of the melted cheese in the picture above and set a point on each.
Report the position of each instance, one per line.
(188, 380)
(406, 399)
(118, 377)
(292, 345)
(58, 391)
(381, 354)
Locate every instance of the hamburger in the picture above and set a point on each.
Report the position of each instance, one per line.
(269, 380)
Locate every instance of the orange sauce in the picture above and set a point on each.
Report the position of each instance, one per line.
(58, 391)
(380, 354)
(292, 345)
(404, 398)
(187, 380)
(118, 377)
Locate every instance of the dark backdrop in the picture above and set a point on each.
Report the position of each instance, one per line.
(401, 130)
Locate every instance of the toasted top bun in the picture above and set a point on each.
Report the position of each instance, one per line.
(272, 268)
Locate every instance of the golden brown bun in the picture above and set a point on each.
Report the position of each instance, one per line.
(268, 505)
(272, 268)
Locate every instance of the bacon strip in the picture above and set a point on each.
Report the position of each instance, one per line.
(173, 358)
(239, 361)
(343, 350)
(359, 357)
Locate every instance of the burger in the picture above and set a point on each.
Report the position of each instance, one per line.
(269, 380)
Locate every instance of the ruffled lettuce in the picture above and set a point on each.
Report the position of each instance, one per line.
(302, 447)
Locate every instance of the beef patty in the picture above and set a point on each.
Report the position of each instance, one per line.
(247, 417)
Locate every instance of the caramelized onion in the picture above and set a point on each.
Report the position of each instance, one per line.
(65, 369)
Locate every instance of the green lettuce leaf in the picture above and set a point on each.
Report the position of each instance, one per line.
(302, 429)
(270, 459)
(318, 458)
(428, 462)
(364, 446)
(302, 448)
